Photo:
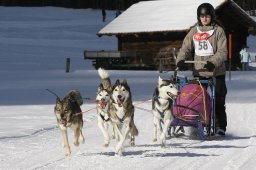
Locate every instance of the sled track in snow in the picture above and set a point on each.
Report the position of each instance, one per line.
(48, 163)
(29, 135)
(42, 130)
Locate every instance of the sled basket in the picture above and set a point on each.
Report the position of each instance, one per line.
(193, 105)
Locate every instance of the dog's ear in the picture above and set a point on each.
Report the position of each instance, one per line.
(125, 82)
(156, 92)
(117, 82)
(160, 81)
(58, 100)
(100, 87)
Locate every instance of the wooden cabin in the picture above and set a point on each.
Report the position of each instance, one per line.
(156, 29)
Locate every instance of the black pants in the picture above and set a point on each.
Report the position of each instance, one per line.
(221, 92)
(220, 104)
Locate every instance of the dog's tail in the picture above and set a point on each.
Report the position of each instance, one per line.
(105, 79)
(75, 95)
(134, 130)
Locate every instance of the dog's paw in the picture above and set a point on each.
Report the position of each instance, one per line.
(163, 145)
(162, 142)
(68, 152)
(81, 139)
(168, 137)
(119, 154)
(106, 145)
(76, 143)
(132, 143)
(162, 137)
(119, 148)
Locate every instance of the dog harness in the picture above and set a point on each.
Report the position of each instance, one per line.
(121, 120)
(161, 113)
(103, 118)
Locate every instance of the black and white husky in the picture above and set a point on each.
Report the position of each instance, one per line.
(162, 101)
(121, 111)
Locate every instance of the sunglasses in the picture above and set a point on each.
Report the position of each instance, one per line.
(205, 16)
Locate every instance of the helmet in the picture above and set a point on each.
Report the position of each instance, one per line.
(205, 9)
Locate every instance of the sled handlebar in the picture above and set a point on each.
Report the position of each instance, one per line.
(175, 76)
(188, 62)
(193, 62)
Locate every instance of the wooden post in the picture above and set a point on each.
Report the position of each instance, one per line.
(230, 53)
(67, 65)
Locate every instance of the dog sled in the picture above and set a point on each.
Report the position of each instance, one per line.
(195, 104)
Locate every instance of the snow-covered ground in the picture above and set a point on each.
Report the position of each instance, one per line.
(34, 44)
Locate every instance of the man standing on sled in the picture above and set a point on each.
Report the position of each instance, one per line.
(206, 41)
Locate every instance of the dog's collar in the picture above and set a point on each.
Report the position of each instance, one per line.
(158, 97)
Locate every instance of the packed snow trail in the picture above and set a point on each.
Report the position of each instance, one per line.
(44, 150)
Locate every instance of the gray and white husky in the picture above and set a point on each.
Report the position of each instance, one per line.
(68, 114)
(121, 113)
(103, 103)
(162, 101)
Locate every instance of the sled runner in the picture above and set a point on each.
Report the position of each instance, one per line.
(195, 104)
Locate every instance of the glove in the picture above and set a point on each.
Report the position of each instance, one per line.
(209, 66)
(181, 65)
(196, 73)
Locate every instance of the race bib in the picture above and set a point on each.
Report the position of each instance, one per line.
(202, 45)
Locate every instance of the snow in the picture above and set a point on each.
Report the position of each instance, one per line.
(34, 44)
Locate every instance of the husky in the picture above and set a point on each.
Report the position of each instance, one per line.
(103, 102)
(68, 114)
(162, 102)
(122, 114)
(121, 111)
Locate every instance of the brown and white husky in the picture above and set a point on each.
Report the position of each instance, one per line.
(68, 114)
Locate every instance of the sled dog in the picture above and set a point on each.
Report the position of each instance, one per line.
(103, 102)
(162, 101)
(121, 114)
(68, 114)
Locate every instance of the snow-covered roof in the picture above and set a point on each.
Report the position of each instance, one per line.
(159, 15)
(254, 18)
